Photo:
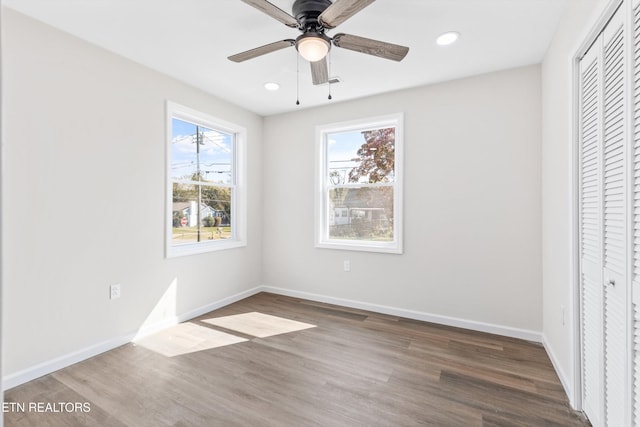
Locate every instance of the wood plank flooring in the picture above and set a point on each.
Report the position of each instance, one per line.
(355, 368)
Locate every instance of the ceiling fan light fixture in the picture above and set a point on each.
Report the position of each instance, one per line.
(313, 46)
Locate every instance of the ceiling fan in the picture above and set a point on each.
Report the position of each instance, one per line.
(313, 18)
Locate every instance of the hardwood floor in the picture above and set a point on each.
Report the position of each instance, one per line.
(354, 368)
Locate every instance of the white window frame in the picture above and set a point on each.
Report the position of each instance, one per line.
(322, 186)
(238, 193)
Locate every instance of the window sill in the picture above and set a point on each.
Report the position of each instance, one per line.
(350, 245)
(203, 247)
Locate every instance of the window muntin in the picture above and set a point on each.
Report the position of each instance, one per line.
(205, 207)
(359, 186)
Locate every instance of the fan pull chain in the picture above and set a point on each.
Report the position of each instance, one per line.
(329, 72)
(297, 78)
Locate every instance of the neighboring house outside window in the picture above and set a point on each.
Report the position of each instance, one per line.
(206, 204)
(359, 185)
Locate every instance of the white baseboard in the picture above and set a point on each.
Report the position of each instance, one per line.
(39, 370)
(564, 379)
(411, 314)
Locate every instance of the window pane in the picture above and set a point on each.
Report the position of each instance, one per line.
(183, 150)
(217, 202)
(185, 219)
(216, 156)
(209, 160)
(361, 213)
(214, 221)
(361, 156)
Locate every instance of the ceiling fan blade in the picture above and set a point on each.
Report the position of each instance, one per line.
(341, 10)
(262, 50)
(273, 11)
(385, 50)
(319, 71)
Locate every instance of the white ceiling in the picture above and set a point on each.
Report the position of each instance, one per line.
(191, 39)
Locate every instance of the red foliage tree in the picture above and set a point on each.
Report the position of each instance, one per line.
(376, 157)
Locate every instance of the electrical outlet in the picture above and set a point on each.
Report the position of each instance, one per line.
(347, 265)
(114, 291)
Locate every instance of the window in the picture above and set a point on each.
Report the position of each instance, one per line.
(205, 196)
(359, 185)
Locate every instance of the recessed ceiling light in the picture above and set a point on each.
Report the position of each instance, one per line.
(271, 86)
(447, 38)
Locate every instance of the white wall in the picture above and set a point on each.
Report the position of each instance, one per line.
(83, 198)
(557, 216)
(472, 203)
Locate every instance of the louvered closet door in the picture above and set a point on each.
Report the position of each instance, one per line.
(615, 221)
(591, 233)
(635, 182)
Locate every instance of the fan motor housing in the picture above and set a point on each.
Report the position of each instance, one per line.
(306, 12)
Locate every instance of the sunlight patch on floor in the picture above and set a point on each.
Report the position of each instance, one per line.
(258, 324)
(187, 338)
